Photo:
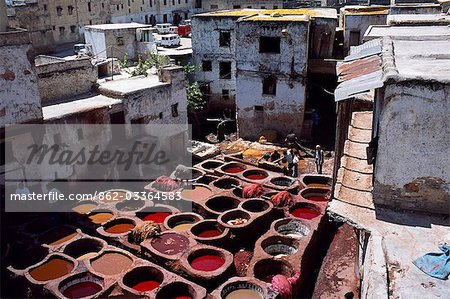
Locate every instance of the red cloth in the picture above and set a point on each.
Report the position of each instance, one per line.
(164, 183)
(285, 287)
(282, 199)
(253, 190)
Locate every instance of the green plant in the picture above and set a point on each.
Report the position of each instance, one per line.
(142, 66)
(124, 63)
(195, 100)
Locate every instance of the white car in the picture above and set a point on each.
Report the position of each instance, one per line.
(170, 40)
(163, 28)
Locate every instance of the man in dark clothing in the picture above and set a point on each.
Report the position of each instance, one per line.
(318, 159)
(275, 156)
(291, 140)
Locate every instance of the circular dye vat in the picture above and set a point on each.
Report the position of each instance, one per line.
(266, 269)
(99, 217)
(82, 289)
(177, 290)
(130, 205)
(23, 258)
(318, 185)
(317, 181)
(183, 227)
(255, 174)
(157, 217)
(143, 279)
(304, 212)
(282, 181)
(170, 243)
(226, 183)
(208, 262)
(235, 218)
(255, 205)
(234, 168)
(55, 267)
(119, 226)
(196, 193)
(111, 263)
(211, 164)
(83, 249)
(279, 246)
(58, 235)
(291, 228)
(209, 233)
(84, 208)
(244, 293)
(222, 203)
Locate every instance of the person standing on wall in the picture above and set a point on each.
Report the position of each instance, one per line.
(318, 159)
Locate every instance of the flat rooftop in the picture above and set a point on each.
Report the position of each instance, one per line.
(365, 10)
(279, 18)
(418, 19)
(118, 26)
(376, 31)
(82, 103)
(328, 13)
(130, 85)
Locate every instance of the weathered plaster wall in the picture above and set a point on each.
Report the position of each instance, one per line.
(205, 46)
(284, 110)
(64, 79)
(322, 37)
(128, 46)
(412, 167)
(20, 100)
(96, 38)
(211, 5)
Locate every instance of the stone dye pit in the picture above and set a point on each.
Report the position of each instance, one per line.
(101, 246)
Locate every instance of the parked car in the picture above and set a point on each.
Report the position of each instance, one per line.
(163, 28)
(170, 40)
(184, 29)
(173, 29)
(78, 48)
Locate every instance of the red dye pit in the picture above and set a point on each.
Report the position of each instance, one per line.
(82, 289)
(182, 297)
(305, 213)
(256, 176)
(207, 262)
(157, 217)
(210, 233)
(317, 198)
(233, 169)
(146, 286)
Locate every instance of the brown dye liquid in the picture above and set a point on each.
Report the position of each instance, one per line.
(244, 293)
(197, 194)
(87, 256)
(170, 243)
(183, 227)
(52, 269)
(317, 185)
(120, 228)
(99, 218)
(84, 208)
(111, 263)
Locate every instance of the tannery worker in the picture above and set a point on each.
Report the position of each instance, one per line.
(318, 158)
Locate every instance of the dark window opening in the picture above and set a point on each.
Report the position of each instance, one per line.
(225, 70)
(160, 115)
(174, 110)
(59, 10)
(225, 94)
(259, 108)
(117, 7)
(269, 44)
(73, 28)
(165, 2)
(198, 3)
(164, 18)
(236, 6)
(270, 86)
(80, 134)
(214, 6)
(89, 6)
(70, 10)
(45, 7)
(120, 41)
(354, 38)
(103, 5)
(275, 7)
(224, 38)
(207, 65)
(61, 30)
(263, 7)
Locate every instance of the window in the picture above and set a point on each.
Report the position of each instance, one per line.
(120, 41)
(73, 28)
(165, 2)
(174, 109)
(53, 27)
(214, 6)
(129, 10)
(173, 2)
(259, 108)
(236, 6)
(275, 7)
(354, 38)
(80, 134)
(90, 22)
(70, 10)
(121, 6)
(45, 7)
(263, 7)
(179, 1)
(186, 1)
(225, 94)
(269, 44)
(207, 65)
(249, 6)
(62, 30)
(59, 10)
(224, 38)
(164, 18)
(129, 4)
(103, 5)
(117, 7)
(89, 6)
(225, 69)
(143, 2)
(270, 86)
(160, 115)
